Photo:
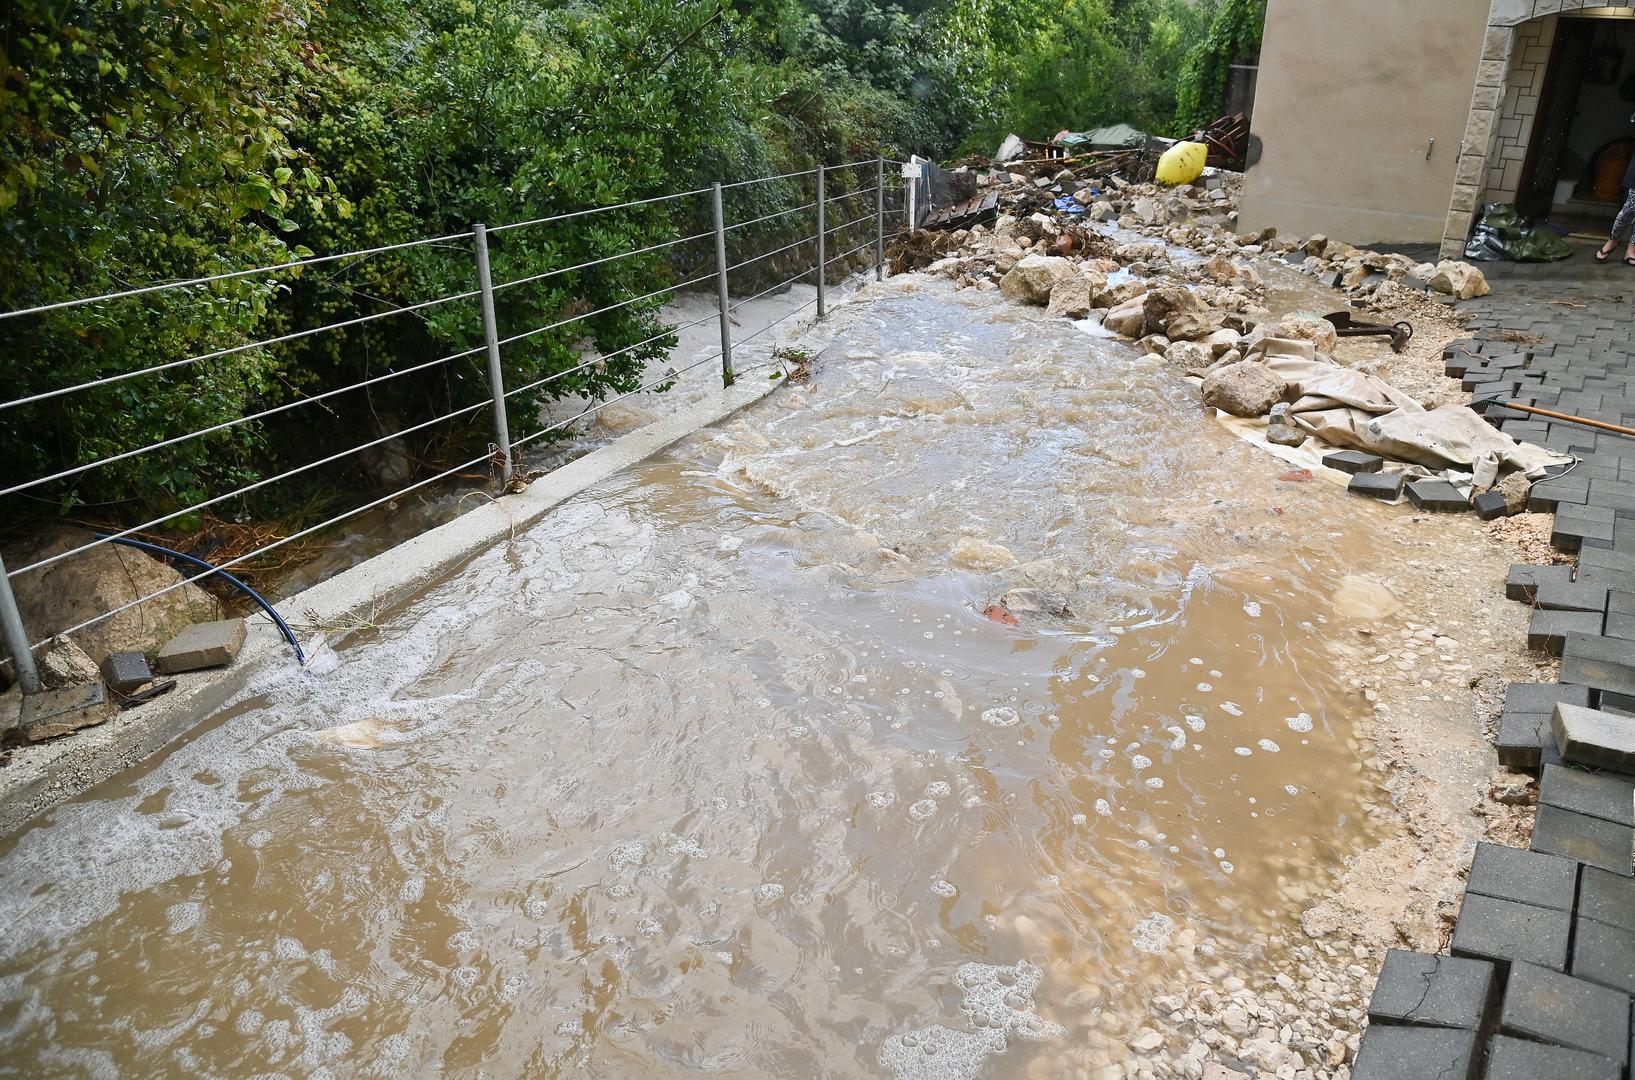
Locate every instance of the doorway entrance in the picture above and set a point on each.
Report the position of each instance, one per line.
(1584, 136)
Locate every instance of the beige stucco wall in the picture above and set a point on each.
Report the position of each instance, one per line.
(1351, 93)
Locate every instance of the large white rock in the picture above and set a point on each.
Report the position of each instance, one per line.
(1459, 280)
(1129, 319)
(1244, 389)
(1031, 279)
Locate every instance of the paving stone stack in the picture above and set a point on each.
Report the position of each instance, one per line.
(1543, 953)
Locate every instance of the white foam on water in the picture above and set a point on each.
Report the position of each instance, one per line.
(1152, 934)
(1300, 722)
(998, 1007)
(1231, 708)
(923, 810)
(1269, 746)
(882, 799)
(1001, 716)
(1251, 609)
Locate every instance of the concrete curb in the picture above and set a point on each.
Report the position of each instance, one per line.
(40, 777)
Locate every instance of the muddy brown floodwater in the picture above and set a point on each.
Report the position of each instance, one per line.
(722, 767)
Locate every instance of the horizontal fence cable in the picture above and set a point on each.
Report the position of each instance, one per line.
(849, 224)
(597, 210)
(598, 262)
(383, 500)
(850, 195)
(603, 310)
(784, 318)
(769, 254)
(286, 407)
(668, 376)
(235, 349)
(770, 217)
(313, 260)
(865, 244)
(604, 357)
(768, 179)
(247, 488)
(856, 164)
(750, 300)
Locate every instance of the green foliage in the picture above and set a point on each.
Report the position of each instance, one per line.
(1234, 34)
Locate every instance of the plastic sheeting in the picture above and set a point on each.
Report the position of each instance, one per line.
(1353, 409)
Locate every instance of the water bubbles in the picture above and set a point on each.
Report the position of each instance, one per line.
(1251, 609)
(938, 789)
(1291, 789)
(1269, 746)
(1227, 867)
(769, 893)
(1231, 708)
(924, 810)
(1196, 723)
(1001, 716)
(1104, 808)
(1204, 688)
(1154, 782)
(1242, 751)
(1152, 934)
(882, 799)
(944, 888)
(1140, 762)
(626, 855)
(184, 916)
(1299, 722)
(412, 891)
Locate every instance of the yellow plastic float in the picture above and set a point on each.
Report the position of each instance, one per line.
(1182, 163)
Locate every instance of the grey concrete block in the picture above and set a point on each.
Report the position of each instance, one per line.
(1597, 795)
(1606, 897)
(1437, 991)
(1391, 1052)
(1437, 497)
(1589, 840)
(1547, 630)
(126, 671)
(1600, 663)
(1527, 877)
(1520, 1059)
(1490, 506)
(1555, 1008)
(1503, 930)
(1524, 579)
(51, 713)
(1594, 737)
(1384, 486)
(1571, 596)
(1522, 738)
(1543, 697)
(1353, 461)
(1604, 954)
(204, 645)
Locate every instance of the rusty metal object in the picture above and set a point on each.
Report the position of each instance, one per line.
(1227, 139)
(1345, 326)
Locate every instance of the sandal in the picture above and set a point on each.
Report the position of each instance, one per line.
(1603, 255)
(1629, 260)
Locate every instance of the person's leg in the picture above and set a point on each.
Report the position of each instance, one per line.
(1621, 227)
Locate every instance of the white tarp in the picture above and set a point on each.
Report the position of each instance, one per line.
(1356, 410)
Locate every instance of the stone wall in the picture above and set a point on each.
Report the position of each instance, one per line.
(1513, 132)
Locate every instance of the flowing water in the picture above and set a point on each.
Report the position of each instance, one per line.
(723, 768)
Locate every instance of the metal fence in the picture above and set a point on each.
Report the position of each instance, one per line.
(878, 224)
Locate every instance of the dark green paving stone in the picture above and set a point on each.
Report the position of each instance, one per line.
(1353, 461)
(1522, 737)
(1524, 580)
(1543, 697)
(1604, 954)
(1527, 877)
(1597, 795)
(1519, 1059)
(1601, 738)
(1618, 705)
(1606, 898)
(1547, 630)
(1492, 929)
(1386, 486)
(1589, 840)
(1437, 497)
(1620, 602)
(1392, 1052)
(1439, 991)
(1619, 625)
(1571, 596)
(1490, 506)
(1555, 1008)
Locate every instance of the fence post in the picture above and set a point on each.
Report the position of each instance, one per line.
(496, 379)
(880, 218)
(15, 637)
(727, 376)
(823, 241)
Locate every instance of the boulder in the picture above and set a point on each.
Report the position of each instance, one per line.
(1129, 319)
(1514, 488)
(1164, 304)
(1280, 431)
(1316, 245)
(94, 582)
(1031, 280)
(1194, 325)
(1224, 341)
(1120, 294)
(1320, 332)
(1244, 389)
(65, 664)
(1103, 211)
(1073, 297)
(1190, 356)
(1221, 269)
(1459, 280)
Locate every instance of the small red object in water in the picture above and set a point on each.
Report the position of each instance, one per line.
(999, 614)
(1298, 476)
(1278, 510)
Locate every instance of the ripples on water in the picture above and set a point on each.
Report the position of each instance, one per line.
(723, 768)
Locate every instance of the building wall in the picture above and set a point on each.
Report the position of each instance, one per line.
(1350, 96)
(1530, 59)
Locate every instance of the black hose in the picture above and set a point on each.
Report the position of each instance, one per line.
(167, 553)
